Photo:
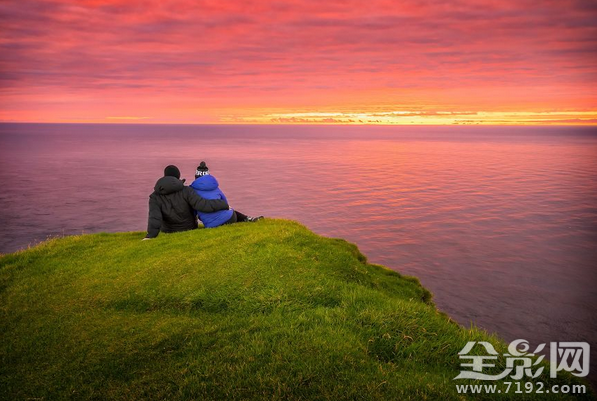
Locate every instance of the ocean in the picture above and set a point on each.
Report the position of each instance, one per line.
(500, 223)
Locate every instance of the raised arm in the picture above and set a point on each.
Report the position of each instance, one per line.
(154, 223)
(203, 205)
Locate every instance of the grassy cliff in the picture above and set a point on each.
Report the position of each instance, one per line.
(251, 311)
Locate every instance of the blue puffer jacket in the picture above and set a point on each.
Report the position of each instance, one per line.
(207, 188)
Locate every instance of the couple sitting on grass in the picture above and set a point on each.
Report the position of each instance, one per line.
(175, 207)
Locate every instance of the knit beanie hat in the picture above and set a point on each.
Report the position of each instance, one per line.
(172, 171)
(201, 170)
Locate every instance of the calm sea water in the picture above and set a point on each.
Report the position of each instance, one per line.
(499, 223)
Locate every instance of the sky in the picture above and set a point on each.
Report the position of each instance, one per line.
(299, 61)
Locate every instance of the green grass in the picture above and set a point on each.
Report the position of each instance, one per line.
(249, 311)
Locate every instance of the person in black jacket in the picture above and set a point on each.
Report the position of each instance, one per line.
(172, 205)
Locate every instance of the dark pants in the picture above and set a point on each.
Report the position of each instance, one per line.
(237, 217)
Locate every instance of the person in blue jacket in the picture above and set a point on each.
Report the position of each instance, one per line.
(206, 186)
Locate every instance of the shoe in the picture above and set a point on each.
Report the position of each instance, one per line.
(254, 219)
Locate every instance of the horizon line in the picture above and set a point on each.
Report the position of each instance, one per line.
(514, 124)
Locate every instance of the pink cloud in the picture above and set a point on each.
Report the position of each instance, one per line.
(243, 54)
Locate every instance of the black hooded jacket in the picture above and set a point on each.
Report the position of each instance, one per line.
(172, 205)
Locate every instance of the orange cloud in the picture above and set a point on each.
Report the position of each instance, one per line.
(240, 61)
